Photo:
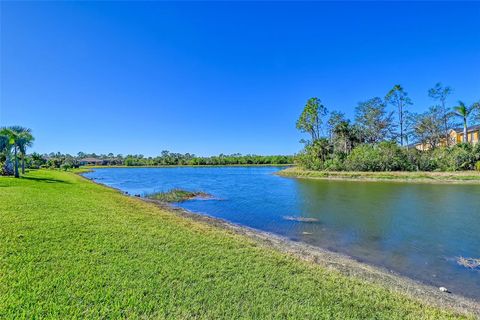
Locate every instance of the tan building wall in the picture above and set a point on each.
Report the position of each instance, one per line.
(455, 138)
(473, 136)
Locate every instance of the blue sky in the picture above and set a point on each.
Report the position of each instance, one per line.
(209, 78)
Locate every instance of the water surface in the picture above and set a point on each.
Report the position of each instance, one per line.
(417, 230)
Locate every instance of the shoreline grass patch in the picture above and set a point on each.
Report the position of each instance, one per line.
(469, 177)
(178, 195)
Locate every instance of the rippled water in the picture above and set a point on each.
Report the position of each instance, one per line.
(414, 229)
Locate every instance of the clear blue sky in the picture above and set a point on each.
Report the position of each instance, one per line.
(211, 78)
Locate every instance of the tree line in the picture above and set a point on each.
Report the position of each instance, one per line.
(385, 127)
(166, 158)
(15, 140)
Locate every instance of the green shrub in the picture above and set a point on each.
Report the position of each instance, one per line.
(477, 166)
(6, 168)
(385, 156)
(388, 156)
(334, 164)
(420, 160)
(364, 158)
(454, 158)
(309, 161)
(476, 152)
(313, 155)
(66, 166)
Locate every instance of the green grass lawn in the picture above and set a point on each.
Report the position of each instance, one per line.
(70, 248)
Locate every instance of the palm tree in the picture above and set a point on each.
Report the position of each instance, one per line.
(17, 136)
(463, 111)
(25, 141)
(322, 148)
(343, 129)
(12, 137)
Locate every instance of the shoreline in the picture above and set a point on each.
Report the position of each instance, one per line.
(338, 262)
(457, 177)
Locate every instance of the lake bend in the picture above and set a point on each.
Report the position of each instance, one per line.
(419, 230)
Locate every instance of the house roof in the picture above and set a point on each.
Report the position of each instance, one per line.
(91, 160)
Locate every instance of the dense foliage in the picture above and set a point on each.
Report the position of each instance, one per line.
(14, 141)
(380, 139)
(389, 156)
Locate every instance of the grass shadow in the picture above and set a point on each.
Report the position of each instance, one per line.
(47, 180)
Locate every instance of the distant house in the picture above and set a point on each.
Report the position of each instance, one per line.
(90, 162)
(455, 137)
(473, 134)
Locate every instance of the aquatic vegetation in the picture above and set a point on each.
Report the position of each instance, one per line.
(178, 195)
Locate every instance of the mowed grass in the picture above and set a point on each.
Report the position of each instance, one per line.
(70, 248)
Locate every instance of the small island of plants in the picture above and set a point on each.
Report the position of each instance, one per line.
(178, 195)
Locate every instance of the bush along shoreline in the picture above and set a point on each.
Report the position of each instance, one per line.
(389, 156)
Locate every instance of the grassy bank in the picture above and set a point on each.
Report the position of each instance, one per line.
(70, 248)
(436, 177)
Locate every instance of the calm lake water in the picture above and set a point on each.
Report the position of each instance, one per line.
(417, 230)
